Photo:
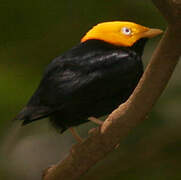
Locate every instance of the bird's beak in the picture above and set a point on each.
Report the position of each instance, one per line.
(152, 33)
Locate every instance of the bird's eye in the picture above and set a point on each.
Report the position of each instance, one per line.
(126, 31)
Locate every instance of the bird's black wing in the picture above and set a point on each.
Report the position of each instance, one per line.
(65, 79)
(76, 76)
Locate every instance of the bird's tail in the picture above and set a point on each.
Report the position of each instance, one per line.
(29, 114)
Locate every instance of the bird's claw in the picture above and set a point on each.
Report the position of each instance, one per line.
(47, 170)
(95, 120)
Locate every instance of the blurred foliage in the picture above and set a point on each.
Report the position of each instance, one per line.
(35, 32)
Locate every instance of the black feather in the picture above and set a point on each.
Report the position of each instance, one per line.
(91, 79)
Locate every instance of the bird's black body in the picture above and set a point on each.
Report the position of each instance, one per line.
(91, 79)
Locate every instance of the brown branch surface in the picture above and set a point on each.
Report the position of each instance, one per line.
(121, 121)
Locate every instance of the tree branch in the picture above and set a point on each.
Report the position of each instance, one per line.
(121, 121)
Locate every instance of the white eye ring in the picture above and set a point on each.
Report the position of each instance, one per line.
(126, 31)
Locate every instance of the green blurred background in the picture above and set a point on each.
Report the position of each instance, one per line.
(32, 34)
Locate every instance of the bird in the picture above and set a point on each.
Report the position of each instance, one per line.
(91, 79)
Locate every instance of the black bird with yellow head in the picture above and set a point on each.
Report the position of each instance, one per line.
(92, 78)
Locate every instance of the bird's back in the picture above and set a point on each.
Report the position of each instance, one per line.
(91, 79)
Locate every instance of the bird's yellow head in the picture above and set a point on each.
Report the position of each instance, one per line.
(120, 33)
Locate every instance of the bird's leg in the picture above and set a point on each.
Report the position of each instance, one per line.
(95, 120)
(76, 135)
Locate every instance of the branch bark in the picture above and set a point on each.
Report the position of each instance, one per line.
(121, 121)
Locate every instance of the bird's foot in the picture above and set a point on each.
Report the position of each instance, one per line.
(47, 170)
(91, 131)
(95, 120)
(76, 135)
